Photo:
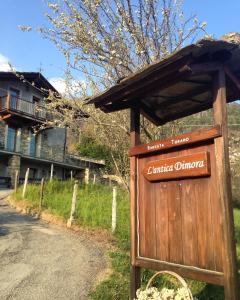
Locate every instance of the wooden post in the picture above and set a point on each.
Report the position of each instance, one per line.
(41, 195)
(114, 209)
(73, 208)
(94, 178)
(16, 180)
(51, 174)
(134, 140)
(224, 176)
(71, 175)
(25, 183)
(87, 176)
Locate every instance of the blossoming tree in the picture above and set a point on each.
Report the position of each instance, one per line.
(106, 41)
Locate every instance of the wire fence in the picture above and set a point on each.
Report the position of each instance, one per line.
(96, 206)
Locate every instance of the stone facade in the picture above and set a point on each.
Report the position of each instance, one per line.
(14, 164)
(24, 140)
(50, 144)
(53, 144)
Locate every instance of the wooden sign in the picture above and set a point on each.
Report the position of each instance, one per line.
(179, 220)
(174, 142)
(194, 165)
(177, 207)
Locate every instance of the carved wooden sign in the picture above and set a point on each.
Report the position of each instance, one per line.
(194, 165)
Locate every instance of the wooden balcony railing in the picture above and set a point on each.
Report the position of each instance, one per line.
(15, 104)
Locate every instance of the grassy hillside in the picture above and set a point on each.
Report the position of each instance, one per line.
(94, 211)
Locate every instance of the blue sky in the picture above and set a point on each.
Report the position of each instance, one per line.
(29, 51)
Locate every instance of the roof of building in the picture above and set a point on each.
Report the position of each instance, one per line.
(179, 85)
(35, 79)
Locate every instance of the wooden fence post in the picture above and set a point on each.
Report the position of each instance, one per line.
(87, 176)
(51, 174)
(71, 175)
(94, 178)
(73, 208)
(16, 180)
(25, 183)
(41, 195)
(114, 209)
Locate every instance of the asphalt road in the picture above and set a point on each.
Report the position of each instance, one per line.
(42, 262)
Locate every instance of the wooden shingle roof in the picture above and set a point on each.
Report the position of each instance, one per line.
(177, 86)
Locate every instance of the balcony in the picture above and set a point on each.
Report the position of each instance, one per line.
(15, 106)
(12, 147)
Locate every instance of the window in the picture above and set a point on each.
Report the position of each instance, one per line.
(35, 99)
(32, 144)
(14, 95)
(10, 138)
(13, 139)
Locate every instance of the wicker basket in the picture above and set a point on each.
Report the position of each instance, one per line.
(179, 278)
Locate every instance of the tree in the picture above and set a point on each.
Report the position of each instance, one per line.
(89, 147)
(108, 40)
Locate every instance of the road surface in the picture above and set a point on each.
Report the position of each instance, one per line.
(39, 261)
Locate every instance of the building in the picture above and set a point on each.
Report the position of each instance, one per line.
(21, 108)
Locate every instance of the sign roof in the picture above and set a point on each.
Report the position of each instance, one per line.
(179, 85)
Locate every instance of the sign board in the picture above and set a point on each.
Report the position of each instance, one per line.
(194, 165)
(179, 141)
(179, 217)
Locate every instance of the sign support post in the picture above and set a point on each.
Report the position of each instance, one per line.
(134, 141)
(224, 177)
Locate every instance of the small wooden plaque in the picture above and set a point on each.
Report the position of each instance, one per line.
(177, 141)
(194, 165)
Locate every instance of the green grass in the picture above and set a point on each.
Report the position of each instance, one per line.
(93, 210)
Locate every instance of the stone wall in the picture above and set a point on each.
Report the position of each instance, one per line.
(95, 174)
(14, 163)
(24, 140)
(52, 144)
